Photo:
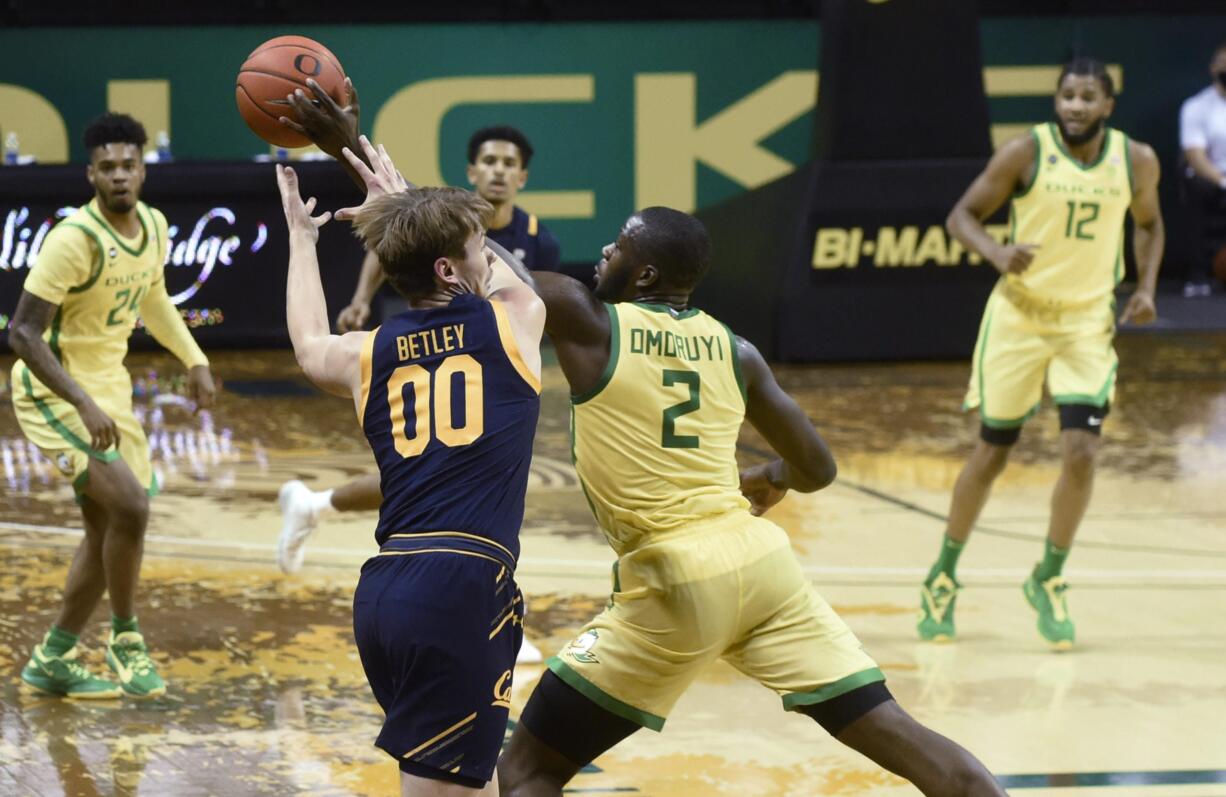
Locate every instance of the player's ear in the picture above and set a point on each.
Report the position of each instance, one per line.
(649, 276)
(445, 271)
(471, 172)
(523, 179)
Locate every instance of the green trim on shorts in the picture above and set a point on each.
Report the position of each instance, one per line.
(59, 427)
(153, 488)
(1097, 400)
(611, 366)
(1008, 423)
(831, 691)
(606, 701)
(983, 346)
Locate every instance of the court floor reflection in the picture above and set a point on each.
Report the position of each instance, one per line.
(267, 695)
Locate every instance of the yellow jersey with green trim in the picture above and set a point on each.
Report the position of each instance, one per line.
(98, 278)
(655, 439)
(1075, 213)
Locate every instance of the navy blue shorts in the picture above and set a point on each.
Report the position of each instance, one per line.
(438, 633)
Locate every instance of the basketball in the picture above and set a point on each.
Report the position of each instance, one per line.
(275, 69)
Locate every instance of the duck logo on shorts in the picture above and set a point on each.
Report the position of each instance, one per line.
(64, 463)
(581, 649)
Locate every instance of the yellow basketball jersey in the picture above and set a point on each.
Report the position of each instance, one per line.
(655, 440)
(1075, 213)
(98, 278)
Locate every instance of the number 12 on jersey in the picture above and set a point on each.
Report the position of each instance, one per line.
(432, 396)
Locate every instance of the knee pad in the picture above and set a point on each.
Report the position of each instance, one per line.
(999, 437)
(1086, 417)
(837, 713)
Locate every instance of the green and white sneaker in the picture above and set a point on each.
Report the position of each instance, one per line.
(64, 675)
(937, 598)
(1047, 598)
(129, 658)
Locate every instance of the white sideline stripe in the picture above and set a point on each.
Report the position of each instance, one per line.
(603, 566)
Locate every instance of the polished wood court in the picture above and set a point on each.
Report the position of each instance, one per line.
(267, 695)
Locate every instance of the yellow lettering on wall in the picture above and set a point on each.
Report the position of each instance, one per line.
(830, 248)
(147, 101)
(408, 125)
(669, 142)
(896, 247)
(39, 126)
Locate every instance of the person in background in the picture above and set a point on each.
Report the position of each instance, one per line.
(1202, 136)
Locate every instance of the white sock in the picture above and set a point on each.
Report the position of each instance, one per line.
(321, 502)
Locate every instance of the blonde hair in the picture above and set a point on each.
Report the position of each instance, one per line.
(410, 230)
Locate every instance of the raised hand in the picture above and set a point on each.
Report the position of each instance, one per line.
(380, 178)
(297, 213)
(322, 119)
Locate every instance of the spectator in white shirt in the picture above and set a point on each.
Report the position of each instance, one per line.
(1202, 134)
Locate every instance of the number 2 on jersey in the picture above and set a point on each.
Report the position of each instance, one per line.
(432, 396)
(668, 436)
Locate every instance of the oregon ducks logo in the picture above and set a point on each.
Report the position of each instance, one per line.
(502, 691)
(64, 463)
(581, 648)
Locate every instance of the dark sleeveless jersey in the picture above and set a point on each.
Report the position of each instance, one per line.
(450, 409)
(529, 240)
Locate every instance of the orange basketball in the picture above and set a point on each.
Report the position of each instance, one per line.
(275, 69)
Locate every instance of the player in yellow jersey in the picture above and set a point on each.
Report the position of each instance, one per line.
(1051, 318)
(659, 393)
(97, 271)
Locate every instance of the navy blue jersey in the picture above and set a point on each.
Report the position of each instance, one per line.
(529, 240)
(450, 409)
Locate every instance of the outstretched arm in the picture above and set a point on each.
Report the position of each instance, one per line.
(330, 126)
(805, 462)
(330, 361)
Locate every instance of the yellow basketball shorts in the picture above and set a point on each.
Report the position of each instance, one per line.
(54, 426)
(729, 589)
(1022, 345)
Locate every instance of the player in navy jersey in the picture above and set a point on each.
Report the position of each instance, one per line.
(498, 160)
(447, 394)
